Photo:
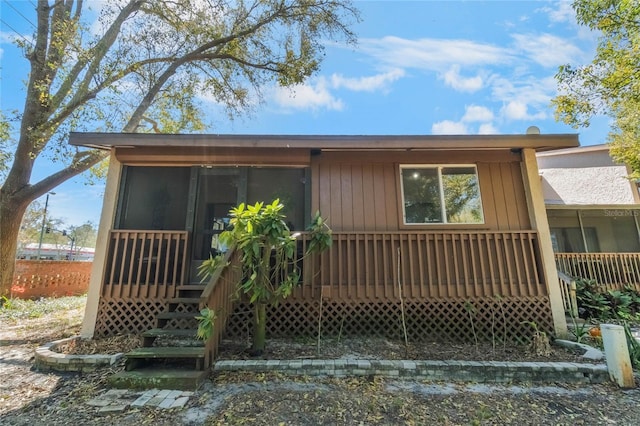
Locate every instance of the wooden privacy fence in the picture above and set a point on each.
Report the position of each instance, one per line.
(611, 271)
(50, 278)
(145, 264)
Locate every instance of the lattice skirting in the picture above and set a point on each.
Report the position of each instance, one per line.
(426, 320)
(124, 316)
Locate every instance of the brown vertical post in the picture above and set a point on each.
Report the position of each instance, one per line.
(102, 244)
(539, 222)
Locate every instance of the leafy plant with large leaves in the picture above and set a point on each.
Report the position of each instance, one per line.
(142, 65)
(269, 257)
(610, 84)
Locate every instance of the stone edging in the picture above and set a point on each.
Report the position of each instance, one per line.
(590, 352)
(465, 371)
(47, 359)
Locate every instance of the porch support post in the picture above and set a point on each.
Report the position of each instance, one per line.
(584, 236)
(102, 243)
(540, 223)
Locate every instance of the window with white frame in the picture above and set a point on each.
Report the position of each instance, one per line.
(441, 194)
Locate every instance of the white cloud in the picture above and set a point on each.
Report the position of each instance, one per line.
(308, 97)
(6, 37)
(526, 99)
(366, 84)
(488, 129)
(473, 114)
(433, 54)
(448, 127)
(477, 113)
(11, 37)
(453, 78)
(318, 95)
(517, 110)
(561, 13)
(546, 49)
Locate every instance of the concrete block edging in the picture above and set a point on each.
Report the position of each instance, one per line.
(462, 371)
(46, 358)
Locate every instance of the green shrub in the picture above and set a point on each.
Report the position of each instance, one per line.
(595, 303)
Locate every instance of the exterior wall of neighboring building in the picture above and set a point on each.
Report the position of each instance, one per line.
(587, 185)
(585, 176)
(32, 251)
(591, 204)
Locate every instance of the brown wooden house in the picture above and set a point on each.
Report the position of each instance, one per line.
(450, 231)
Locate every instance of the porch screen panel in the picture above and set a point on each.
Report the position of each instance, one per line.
(154, 198)
(287, 184)
(615, 228)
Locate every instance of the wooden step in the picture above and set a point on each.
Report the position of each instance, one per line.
(163, 332)
(185, 300)
(177, 301)
(166, 352)
(159, 378)
(176, 315)
(190, 290)
(188, 287)
(149, 336)
(143, 357)
(164, 317)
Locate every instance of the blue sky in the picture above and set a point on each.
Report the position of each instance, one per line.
(421, 67)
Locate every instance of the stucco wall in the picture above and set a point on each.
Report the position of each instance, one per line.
(587, 185)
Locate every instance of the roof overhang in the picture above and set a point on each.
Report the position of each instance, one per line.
(327, 142)
(554, 206)
(576, 150)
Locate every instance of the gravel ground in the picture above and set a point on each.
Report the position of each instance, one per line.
(28, 397)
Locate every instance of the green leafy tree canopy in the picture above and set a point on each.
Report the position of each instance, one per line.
(141, 66)
(610, 84)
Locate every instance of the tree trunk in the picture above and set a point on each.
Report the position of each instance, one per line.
(259, 328)
(16, 193)
(11, 213)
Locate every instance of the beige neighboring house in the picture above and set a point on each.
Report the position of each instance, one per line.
(593, 210)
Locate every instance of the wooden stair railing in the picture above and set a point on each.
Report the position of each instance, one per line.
(217, 296)
(568, 290)
(174, 337)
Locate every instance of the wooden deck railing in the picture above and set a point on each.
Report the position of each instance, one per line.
(610, 270)
(421, 265)
(568, 291)
(217, 297)
(145, 264)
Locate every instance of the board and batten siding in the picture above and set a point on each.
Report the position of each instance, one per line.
(361, 191)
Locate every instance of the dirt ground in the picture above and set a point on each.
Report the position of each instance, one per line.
(28, 397)
(381, 348)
